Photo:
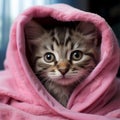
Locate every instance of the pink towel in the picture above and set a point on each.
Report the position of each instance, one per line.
(23, 97)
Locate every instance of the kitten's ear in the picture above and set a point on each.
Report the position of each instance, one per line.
(89, 31)
(33, 30)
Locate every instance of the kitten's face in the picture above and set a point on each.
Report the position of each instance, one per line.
(64, 55)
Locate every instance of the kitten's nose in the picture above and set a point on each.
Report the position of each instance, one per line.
(63, 71)
(63, 67)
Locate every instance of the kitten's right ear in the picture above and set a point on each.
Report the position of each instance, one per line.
(33, 30)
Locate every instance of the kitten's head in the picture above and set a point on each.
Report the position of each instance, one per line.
(62, 54)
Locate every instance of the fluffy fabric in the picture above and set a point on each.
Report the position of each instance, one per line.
(22, 96)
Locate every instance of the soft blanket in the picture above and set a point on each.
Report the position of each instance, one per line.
(23, 97)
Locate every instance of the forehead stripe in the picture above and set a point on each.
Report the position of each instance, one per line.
(55, 40)
(67, 41)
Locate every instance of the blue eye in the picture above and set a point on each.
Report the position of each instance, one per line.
(49, 57)
(76, 55)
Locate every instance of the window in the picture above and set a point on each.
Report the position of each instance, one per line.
(9, 10)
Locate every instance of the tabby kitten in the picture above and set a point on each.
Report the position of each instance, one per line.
(62, 57)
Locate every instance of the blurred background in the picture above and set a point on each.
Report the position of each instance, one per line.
(9, 10)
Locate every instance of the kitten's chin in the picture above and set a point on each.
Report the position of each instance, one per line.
(64, 81)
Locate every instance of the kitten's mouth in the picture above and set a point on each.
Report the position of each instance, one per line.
(64, 79)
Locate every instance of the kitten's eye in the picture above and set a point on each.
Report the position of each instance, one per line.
(76, 55)
(49, 57)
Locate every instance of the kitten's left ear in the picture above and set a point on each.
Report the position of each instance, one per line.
(89, 31)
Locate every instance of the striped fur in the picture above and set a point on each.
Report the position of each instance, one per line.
(62, 57)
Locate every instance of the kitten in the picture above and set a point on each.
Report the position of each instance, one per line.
(62, 57)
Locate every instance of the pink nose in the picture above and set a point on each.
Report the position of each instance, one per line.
(63, 71)
(63, 66)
